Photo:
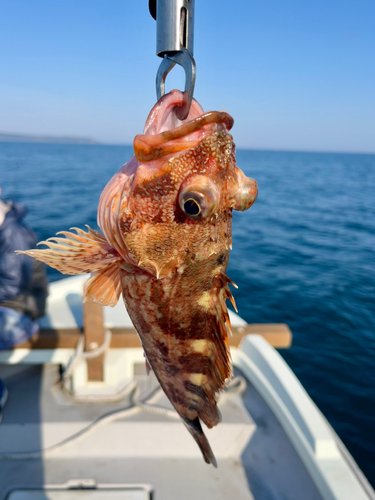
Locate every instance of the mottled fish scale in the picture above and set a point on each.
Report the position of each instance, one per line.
(179, 342)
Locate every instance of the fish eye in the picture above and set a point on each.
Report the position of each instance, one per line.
(199, 197)
(192, 208)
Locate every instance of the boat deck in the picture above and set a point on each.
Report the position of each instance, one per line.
(255, 457)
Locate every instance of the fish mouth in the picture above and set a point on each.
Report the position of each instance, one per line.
(164, 134)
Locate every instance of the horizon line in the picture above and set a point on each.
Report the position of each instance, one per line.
(9, 137)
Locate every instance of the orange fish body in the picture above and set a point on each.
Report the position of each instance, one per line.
(166, 218)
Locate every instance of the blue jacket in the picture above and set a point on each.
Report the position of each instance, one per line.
(15, 270)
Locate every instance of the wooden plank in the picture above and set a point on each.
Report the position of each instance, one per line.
(94, 337)
(49, 338)
(277, 334)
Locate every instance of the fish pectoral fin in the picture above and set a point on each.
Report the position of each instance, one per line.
(104, 287)
(80, 253)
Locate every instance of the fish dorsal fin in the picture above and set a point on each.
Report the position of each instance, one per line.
(78, 253)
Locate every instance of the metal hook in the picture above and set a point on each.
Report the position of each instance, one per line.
(186, 60)
(175, 36)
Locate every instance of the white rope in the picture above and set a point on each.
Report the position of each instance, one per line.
(237, 385)
(134, 407)
(99, 398)
(81, 354)
(152, 408)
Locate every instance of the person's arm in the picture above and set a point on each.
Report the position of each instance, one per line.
(15, 270)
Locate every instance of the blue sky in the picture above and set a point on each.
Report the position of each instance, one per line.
(294, 75)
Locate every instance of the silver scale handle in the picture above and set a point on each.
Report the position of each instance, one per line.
(174, 43)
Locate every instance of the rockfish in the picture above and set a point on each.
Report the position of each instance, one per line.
(166, 219)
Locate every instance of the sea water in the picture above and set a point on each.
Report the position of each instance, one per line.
(302, 255)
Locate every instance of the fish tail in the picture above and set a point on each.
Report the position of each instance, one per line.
(195, 429)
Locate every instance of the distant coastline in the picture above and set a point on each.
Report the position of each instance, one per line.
(50, 139)
(7, 137)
